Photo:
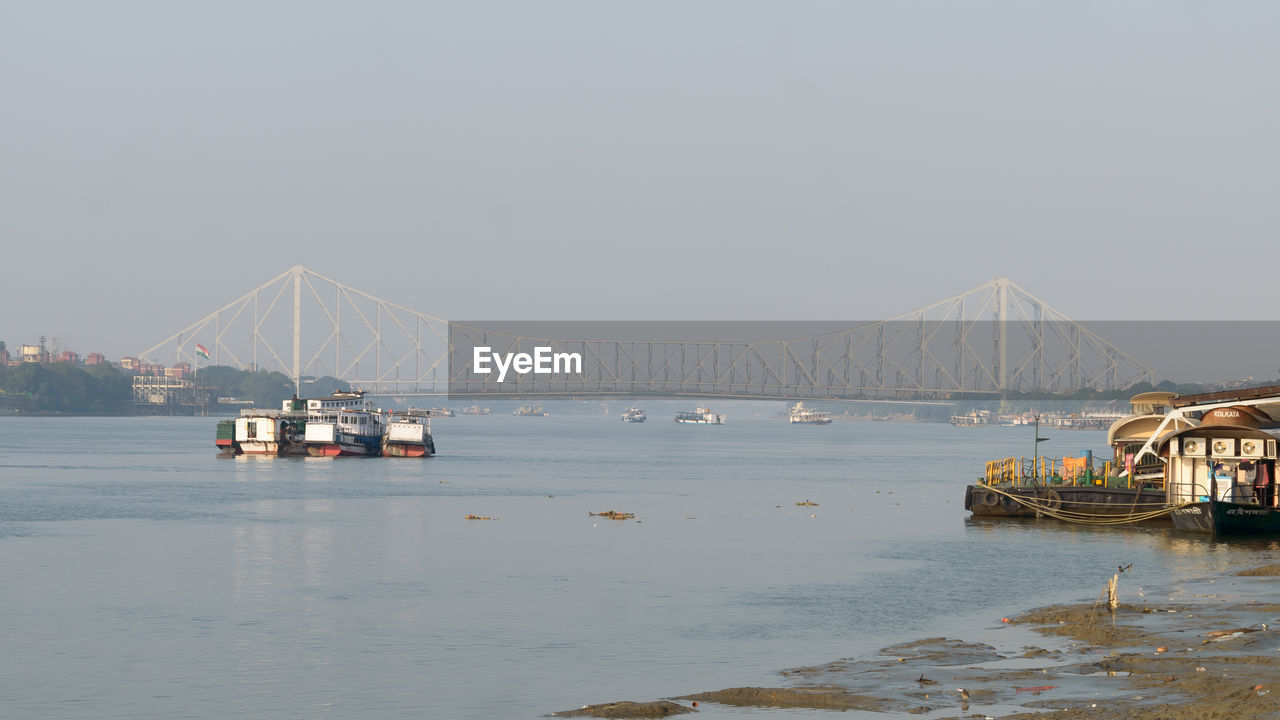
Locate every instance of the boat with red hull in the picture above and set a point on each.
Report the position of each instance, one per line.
(408, 434)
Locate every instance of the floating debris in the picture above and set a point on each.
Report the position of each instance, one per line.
(627, 709)
(478, 517)
(614, 515)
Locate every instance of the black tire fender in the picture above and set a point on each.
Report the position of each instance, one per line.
(1050, 499)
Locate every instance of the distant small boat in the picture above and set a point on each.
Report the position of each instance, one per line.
(700, 416)
(530, 411)
(807, 416)
(633, 414)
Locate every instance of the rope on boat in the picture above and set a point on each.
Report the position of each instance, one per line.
(1051, 507)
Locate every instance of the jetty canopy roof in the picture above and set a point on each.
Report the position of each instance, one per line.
(1262, 405)
(1147, 402)
(1140, 428)
(1257, 394)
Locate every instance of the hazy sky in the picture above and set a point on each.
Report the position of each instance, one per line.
(658, 160)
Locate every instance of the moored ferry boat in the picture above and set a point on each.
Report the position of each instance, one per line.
(343, 424)
(699, 416)
(801, 415)
(1220, 475)
(975, 418)
(528, 410)
(272, 432)
(408, 434)
(634, 415)
(259, 433)
(1221, 480)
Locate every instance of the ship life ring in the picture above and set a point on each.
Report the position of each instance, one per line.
(1050, 499)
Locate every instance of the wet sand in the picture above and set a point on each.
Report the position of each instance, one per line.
(1210, 649)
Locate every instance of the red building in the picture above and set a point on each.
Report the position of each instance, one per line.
(69, 356)
(94, 359)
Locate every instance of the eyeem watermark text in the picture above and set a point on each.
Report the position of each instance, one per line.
(541, 362)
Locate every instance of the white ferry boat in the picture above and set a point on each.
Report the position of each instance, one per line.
(271, 432)
(700, 416)
(807, 416)
(408, 434)
(976, 418)
(343, 424)
(633, 414)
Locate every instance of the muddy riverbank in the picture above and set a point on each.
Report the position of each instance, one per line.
(1207, 649)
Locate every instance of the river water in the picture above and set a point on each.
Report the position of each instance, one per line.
(145, 577)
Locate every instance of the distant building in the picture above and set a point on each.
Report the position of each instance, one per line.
(179, 371)
(130, 364)
(151, 369)
(4, 354)
(69, 356)
(32, 354)
(94, 359)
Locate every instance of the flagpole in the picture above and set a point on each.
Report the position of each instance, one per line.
(195, 380)
(1035, 461)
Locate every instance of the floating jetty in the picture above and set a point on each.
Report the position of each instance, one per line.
(1065, 489)
(1206, 463)
(341, 424)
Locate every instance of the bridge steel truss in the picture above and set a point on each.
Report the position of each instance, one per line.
(304, 324)
(989, 340)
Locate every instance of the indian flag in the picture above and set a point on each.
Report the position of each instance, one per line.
(202, 351)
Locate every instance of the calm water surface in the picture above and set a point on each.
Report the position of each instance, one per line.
(144, 577)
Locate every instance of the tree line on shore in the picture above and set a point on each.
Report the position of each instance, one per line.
(63, 388)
